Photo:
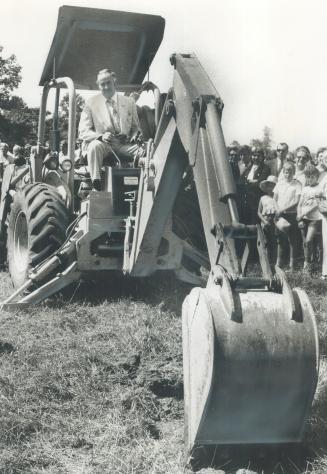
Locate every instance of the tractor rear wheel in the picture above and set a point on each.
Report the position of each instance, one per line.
(37, 226)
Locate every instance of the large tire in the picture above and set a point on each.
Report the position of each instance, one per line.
(37, 226)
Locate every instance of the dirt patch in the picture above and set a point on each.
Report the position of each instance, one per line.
(6, 348)
(167, 388)
(82, 443)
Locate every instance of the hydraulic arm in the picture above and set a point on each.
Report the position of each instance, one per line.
(250, 343)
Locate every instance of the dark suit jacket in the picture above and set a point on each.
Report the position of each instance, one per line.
(260, 174)
(251, 192)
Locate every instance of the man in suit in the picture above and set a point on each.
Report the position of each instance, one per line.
(276, 164)
(252, 178)
(108, 125)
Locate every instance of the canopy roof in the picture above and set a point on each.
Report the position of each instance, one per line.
(88, 40)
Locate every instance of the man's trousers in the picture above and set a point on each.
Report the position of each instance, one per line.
(97, 151)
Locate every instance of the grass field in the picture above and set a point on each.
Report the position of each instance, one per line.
(93, 383)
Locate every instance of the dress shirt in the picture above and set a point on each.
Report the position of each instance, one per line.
(285, 192)
(252, 171)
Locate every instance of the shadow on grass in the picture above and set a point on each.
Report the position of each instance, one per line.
(162, 289)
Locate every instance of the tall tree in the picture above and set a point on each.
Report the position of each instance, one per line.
(267, 137)
(18, 122)
(10, 78)
(265, 141)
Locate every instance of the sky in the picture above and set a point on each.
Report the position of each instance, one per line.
(267, 58)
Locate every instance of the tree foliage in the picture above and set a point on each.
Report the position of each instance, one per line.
(10, 78)
(13, 121)
(64, 113)
(235, 144)
(18, 122)
(264, 142)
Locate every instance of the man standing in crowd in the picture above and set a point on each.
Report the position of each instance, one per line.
(233, 160)
(276, 164)
(107, 126)
(252, 178)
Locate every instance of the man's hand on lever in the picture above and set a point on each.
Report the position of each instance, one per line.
(107, 136)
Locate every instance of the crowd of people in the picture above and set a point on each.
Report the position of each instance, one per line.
(17, 156)
(286, 193)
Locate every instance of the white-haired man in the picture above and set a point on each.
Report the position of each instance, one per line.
(108, 124)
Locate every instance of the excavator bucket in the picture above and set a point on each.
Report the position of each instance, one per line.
(250, 368)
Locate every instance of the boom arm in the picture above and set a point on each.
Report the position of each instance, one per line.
(189, 134)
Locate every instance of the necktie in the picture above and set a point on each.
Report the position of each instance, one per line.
(114, 116)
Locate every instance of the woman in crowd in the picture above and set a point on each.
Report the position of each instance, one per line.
(308, 215)
(321, 163)
(323, 212)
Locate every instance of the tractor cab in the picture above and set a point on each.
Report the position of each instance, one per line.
(88, 40)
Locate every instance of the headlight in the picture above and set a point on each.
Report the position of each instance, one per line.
(66, 165)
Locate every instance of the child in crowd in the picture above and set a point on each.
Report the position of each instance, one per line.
(266, 212)
(308, 214)
(287, 194)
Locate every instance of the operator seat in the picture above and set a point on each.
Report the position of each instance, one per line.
(148, 116)
(147, 121)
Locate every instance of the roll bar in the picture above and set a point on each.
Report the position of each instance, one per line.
(37, 159)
